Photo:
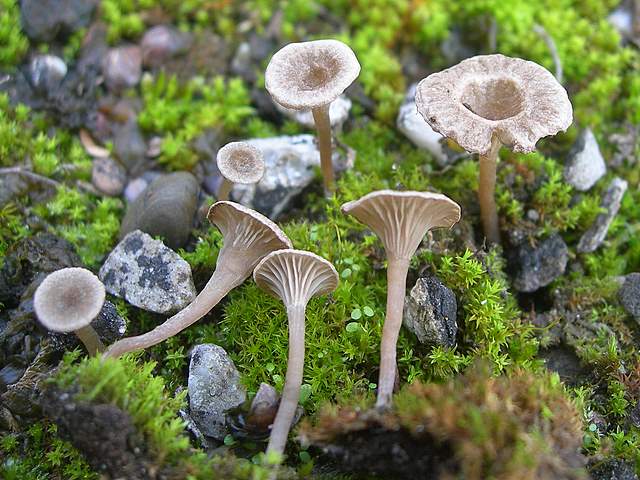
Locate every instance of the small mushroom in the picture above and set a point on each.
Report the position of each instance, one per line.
(238, 162)
(401, 220)
(295, 277)
(248, 237)
(309, 76)
(489, 101)
(68, 300)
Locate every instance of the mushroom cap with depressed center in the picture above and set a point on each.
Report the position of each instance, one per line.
(295, 276)
(516, 100)
(402, 219)
(307, 75)
(68, 299)
(240, 162)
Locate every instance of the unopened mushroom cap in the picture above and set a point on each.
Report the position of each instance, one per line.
(306, 75)
(240, 162)
(68, 299)
(516, 100)
(295, 276)
(402, 219)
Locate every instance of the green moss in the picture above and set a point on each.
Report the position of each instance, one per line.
(13, 43)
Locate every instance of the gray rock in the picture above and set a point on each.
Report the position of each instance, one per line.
(626, 142)
(614, 469)
(622, 20)
(585, 164)
(629, 295)
(148, 275)
(108, 176)
(47, 72)
(122, 67)
(565, 363)
(595, 235)
(44, 20)
(338, 113)
(214, 388)
(538, 267)
(138, 185)
(430, 312)
(130, 147)
(289, 164)
(166, 208)
(161, 43)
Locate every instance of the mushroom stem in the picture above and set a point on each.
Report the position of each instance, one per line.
(219, 285)
(486, 192)
(323, 126)
(89, 337)
(397, 270)
(225, 189)
(292, 381)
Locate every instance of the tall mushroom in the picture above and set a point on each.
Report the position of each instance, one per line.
(295, 277)
(238, 162)
(248, 236)
(401, 220)
(68, 300)
(489, 101)
(309, 76)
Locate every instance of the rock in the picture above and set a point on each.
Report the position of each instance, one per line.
(614, 469)
(130, 147)
(166, 208)
(108, 176)
(626, 143)
(565, 363)
(161, 43)
(148, 275)
(338, 112)
(214, 388)
(430, 312)
(585, 164)
(629, 295)
(289, 164)
(595, 235)
(138, 185)
(208, 55)
(44, 20)
(538, 267)
(122, 67)
(47, 72)
(242, 64)
(622, 20)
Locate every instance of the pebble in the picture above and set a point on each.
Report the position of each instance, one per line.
(130, 147)
(161, 43)
(585, 164)
(538, 267)
(430, 312)
(629, 295)
(138, 185)
(614, 469)
(47, 72)
(108, 176)
(338, 113)
(44, 20)
(595, 235)
(148, 275)
(214, 387)
(122, 67)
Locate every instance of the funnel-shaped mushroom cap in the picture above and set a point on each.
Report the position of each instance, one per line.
(295, 276)
(240, 162)
(69, 299)
(306, 75)
(402, 219)
(516, 100)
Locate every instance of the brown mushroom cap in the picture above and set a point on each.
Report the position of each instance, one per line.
(516, 100)
(240, 162)
(307, 75)
(402, 219)
(69, 299)
(295, 276)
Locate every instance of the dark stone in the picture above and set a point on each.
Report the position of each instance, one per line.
(629, 295)
(108, 176)
(130, 147)
(536, 267)
(161, 43)
(44, 20)
(565, 362)
(633, 417)
(613, 469)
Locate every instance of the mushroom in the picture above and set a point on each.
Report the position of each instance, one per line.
(309, 76)
(68, 300)
(248, 236)
(238, 162)
(489, 101)
(401, 220)
(295, 277)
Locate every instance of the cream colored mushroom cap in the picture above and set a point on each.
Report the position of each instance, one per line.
(68, 299)
(240, 162)
(516, 100)
(402, 219)
(295, 276)
(311, 74)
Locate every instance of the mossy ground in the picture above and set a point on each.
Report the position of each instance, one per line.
(343, 330)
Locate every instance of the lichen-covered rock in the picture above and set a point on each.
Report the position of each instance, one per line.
(148, 274)
(585, 164)
(430, 312)
(629, 295)
(214, 388)
(536, 267)
(613, 469)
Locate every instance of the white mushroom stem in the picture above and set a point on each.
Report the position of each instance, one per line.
(292, 381)
(323, 127)
(89, 337)
(397, 270)
(486, 193)
(225, 189)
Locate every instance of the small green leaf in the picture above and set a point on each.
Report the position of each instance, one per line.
(353, 327)
(356, 314)
(368, 311)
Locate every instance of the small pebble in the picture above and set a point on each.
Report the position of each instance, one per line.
(122, 67)
(108, 176)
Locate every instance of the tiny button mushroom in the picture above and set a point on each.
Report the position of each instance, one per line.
(401, 220)
(309, 76)
(293, 276)
(238, 162)
(68, 300)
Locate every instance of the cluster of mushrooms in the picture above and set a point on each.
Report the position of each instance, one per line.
(482, 103)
